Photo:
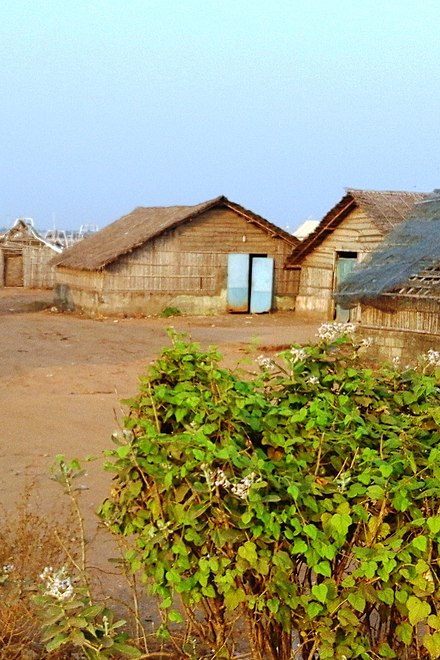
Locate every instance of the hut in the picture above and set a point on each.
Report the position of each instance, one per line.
(345, 236)
(202, 259)
(398, 286)
(25, 257)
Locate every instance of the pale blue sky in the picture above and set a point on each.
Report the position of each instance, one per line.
(106, 105)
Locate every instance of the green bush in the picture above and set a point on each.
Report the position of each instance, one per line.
(304, 499)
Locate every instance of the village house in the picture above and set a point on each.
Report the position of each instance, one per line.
(344, 237)
(398, 287)
(212, 257)
(25, 257)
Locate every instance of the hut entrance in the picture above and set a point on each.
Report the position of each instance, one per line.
(14, 269)
(250, 283)
(344, 264)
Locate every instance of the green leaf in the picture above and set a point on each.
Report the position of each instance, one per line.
(323, 568)
(234, 598)
(299, 547)
(311, 531)
(420, 543)
(248, 551)
(357, 601)
(404, 632)
(375, 493)
(92, 611)
(386, 595)
(127, 650)
(56, 642)
(313, 609)
(320, 592)
(273, 604)
(175, 616)
(385, 651)
(434, 621)
(434, 524)
(431, 642)
(418, 610)
(340, 523)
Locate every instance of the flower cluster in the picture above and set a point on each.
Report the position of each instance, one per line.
(432, 358)
(331, 331)
(58, 583)
(240, 489)
(313, 380)
(298, 354)
(8, 568)
(265, 362)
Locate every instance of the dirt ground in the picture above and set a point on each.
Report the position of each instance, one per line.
(62, 377)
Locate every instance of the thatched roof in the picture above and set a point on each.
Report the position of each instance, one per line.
(142, 225)
(385, 208)
(23, 232)
(406, 264)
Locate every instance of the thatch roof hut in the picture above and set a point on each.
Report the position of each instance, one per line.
(398, 286)
(352, 229)
(175, 256)
(407, 264)
(25, 257)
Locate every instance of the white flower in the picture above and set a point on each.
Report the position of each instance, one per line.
(330, 331)
(343, 481)
(396, 361)
(265, 362)
(298, 354)
(433, 358)
(58, 583)
(8, 568)
(313, 380)
(241, 489)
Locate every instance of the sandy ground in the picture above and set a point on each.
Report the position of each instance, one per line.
(62, 377)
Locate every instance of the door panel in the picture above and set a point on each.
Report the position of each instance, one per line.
(344, 266)
(261, 285)
(238, 283)
(14, 270)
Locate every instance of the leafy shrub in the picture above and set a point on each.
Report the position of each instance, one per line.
(170, 311)
(28, 541)
(305, 498)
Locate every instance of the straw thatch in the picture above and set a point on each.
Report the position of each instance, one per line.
(25, 257)
(386, 209)
(23, 233)
(406, 265)
(143, 224)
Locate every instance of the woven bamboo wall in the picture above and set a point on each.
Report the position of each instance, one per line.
(185, 268)
(34, 262)
(405, 333)
(356, 233)
(409, 317)
(37, 273)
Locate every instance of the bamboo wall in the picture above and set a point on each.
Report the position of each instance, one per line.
(36, 271)
(356, 233)
(185, 268)
(409, 331)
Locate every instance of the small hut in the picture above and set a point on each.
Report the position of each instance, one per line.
(398, 287)
(25, 257)
(202, 259)
(345, 236)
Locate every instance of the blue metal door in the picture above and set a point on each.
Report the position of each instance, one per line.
(238, 283)
(261, 285)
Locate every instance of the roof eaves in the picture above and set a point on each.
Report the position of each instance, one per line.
(329, 222)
